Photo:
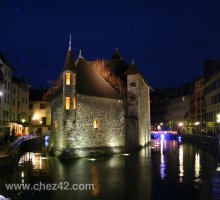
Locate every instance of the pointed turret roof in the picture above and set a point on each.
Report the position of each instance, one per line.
(69, 62)
(132, 69)
(116, 54)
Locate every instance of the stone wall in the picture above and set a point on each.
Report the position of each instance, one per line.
(74, 133)
(131, 133)
(139, 106)
(100, 125)
(58, 136)
(109, 115)
(143, 111)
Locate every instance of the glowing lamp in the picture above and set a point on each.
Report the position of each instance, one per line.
(180, 124)
(36, 117)
(218, 118)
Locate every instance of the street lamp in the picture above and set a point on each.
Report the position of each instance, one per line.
(196, 129)
(218, 118)
(196, 123)
(180, 124)
(158, 128)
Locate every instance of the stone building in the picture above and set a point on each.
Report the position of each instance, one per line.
(212, 95)
(99, 107)
(180, 109)
(19, 106)
(39, 112)
(198, 106)
(5, 95)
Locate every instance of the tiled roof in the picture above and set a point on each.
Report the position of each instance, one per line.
(90, 82)
(69, 62)
(118, 67)
(132, 70)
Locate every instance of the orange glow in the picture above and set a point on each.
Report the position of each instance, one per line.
(95, 124)
(95, 181)
(67, 78)
(74, 79)
(74, 103)
(67, 103)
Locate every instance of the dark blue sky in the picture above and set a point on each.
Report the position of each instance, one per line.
(168, 39)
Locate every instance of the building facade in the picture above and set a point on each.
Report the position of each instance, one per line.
(180, 114)
(19, 121)
(99, 107)
(212, 95)
(5, 95)
(198, 107)
(39, 113)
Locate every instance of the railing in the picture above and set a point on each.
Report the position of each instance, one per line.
(20, 140)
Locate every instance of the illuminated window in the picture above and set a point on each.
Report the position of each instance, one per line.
(67, 103)
(95, 124)
(74, 103)
(55, 123)
(74, 79)
(67, 78)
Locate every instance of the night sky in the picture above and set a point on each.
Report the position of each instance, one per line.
(169, 40)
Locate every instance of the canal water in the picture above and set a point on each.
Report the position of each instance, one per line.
(168, 169)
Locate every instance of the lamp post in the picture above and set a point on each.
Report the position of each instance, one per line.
(180, 126)
(197, 124)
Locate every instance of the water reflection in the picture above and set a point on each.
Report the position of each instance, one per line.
(181, 170)
(35, 159)
(95, 181)
(139, 175)
(162, 161)
(197, 167)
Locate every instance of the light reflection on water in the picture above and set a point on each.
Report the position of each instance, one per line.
(197, 167)
(162, 161)
(137, 176)
(181, 168)
(95, 181)
(35, 159)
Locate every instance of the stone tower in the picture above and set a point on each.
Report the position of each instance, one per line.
(69, 95)
(69, 82)
(137, 106)
(132, 90)
(90, 115)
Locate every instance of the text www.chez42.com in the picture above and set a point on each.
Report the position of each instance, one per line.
(49, 186)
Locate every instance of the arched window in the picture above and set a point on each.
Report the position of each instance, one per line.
(67, 103)
(55, 124)
(67, 78)
(74, 103)
(96, 124)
